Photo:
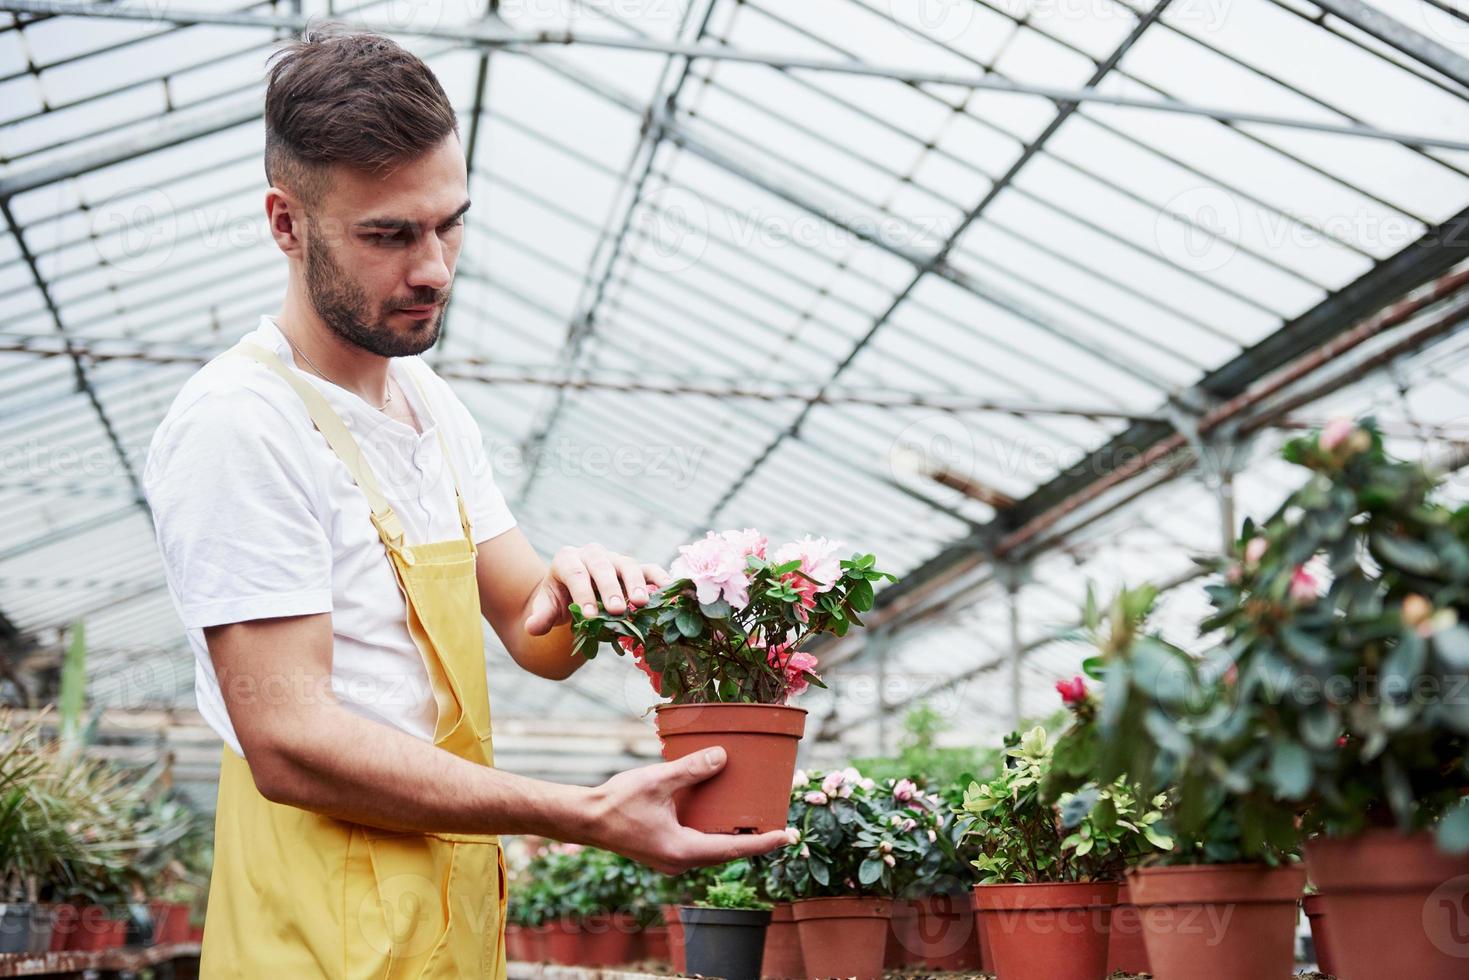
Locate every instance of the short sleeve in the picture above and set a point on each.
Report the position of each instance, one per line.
(236, 509)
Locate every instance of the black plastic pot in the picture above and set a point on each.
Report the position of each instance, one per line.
(727, 943)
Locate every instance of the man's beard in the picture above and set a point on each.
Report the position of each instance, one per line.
(343, 306)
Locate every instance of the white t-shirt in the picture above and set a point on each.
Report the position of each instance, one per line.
(257, 517)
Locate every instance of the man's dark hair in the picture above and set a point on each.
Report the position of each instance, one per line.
(353, 98)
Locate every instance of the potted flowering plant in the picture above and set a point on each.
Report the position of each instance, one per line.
(1045, 863)
(725, 931)
(841, 871)
(933, 921)
(1342, 618)
(722, 643)
(1169, 722)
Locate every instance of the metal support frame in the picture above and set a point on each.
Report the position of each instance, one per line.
(1416, 45)
(482, 35)
(936, 263)
(602, 263)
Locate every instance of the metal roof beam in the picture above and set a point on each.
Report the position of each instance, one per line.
(480, 34)
(1393, 32)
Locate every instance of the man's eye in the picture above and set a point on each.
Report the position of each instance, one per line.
(390, 238)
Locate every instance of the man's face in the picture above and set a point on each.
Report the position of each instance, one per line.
(380, 252)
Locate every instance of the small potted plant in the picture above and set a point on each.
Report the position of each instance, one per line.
(839, 870)
(1172, 724)
(1049, 870)
(722, 642)
(725, 932)
(933, 924)
(1342, 618)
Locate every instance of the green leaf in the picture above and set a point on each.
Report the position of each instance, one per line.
(1290, 770)
(870, 871)
(689, 623)
(1451, 645)
(820, 872)
(1410, 555)
(861, 596)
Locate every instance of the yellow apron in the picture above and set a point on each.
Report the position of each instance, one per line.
(295, 894)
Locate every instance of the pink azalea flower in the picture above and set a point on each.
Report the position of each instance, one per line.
(749, 542)
(835, 785)
(1303, 588)
(904, 790)
(1336, 432)
(717, 569)
(796, 665)
(636, 649)
(1072, 691)
(816, 798)
(820, 565)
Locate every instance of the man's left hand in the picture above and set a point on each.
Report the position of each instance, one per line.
(582, 575)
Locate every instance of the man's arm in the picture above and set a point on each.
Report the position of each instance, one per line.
(526, 601)
(308, 751)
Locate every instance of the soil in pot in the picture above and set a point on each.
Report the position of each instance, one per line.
(843, 937)
(783, 960)
(675, 938)
(1046, 931)
(1127, 951)
(727, 943)
(608, 939)
(1219, 921)
(751, 794)
(1394, 905)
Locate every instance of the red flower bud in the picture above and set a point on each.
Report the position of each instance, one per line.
(1072, 691)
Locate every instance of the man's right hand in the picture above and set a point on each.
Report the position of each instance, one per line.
(633, 814)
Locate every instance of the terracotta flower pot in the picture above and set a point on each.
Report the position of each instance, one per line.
(1127, 952)
(1219, 921)
(937, 932)
(538, 943)
(655, 943)
(783, 960)
(563, 942)
(676, 950)
(607, 939)
(1394, 906)
(515, 943)
(97, 929)
(1315, 911)
(1047, 931)
(843, 937)
(900, 937)
(753, 790)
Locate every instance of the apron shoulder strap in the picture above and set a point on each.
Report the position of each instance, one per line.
(335, 432)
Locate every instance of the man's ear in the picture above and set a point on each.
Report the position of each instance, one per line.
(285, 217)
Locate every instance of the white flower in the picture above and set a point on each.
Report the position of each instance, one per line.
(793, 835)
(932, 836)
(799, 779)
(805, 851)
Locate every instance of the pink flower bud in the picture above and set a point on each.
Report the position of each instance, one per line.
(1255, 550)
(1336, 432)
(904, 790)
(1072, 691)
(816, 798)
(1303, 587)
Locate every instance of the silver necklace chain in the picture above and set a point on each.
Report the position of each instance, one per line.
(312, 365)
